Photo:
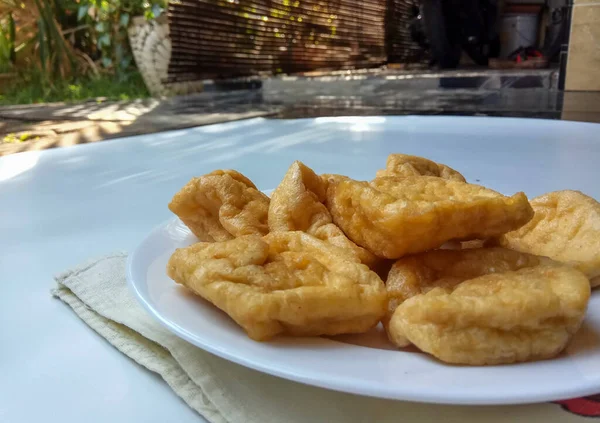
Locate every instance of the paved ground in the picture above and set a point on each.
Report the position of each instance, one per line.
(524, 94)
(36, 127)
(389, 91)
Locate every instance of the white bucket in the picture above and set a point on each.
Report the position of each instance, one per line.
(517, 30)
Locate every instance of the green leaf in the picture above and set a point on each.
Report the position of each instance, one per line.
(106, 62)
(82, 12)
(74, 90)
(104, 40)
(119, 52)
(156, 10)
(124, 21)
(99, 27)
(57, 48)
(11, 38)
(125, 62)
(42, 43)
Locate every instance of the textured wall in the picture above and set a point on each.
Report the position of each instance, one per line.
(583, 63)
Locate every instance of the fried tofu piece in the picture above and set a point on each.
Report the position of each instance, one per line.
(297, 204)
(498, 318)
(468, 245)
(222, 205)
(404, 165)
(420, 273)
(566, 228)
(392, 217)
(284, 283)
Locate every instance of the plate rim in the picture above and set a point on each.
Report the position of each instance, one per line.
(335, 385)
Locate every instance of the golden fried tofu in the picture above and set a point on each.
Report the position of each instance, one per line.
(332, 178)
(284, 283)
(222, 205)
(297, 202)
(498, 318)
(403, 165)
(467, 245)
(392, 217)
(420, 273)
(297, 205)
(565, 227)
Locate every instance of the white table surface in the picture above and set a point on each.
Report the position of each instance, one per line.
(60, 207)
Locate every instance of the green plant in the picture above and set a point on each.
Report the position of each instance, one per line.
(70, 50)
(7, 42)
(56, 55)
(107, 23)
(66, 38)
(34, 87)
(30, 36)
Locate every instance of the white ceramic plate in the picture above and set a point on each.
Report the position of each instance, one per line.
(361, 364)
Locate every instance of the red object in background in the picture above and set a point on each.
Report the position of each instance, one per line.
(586, 406)
(525, 53)
(532, 9)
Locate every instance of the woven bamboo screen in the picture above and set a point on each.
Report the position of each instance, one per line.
(232, 38)
(400, 48)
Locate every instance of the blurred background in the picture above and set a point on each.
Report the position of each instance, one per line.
(138, 66)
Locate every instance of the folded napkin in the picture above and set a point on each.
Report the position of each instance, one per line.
(224, 392)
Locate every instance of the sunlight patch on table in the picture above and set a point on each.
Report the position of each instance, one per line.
(17, 164)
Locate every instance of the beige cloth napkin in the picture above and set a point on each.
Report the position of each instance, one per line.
(224, 392)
